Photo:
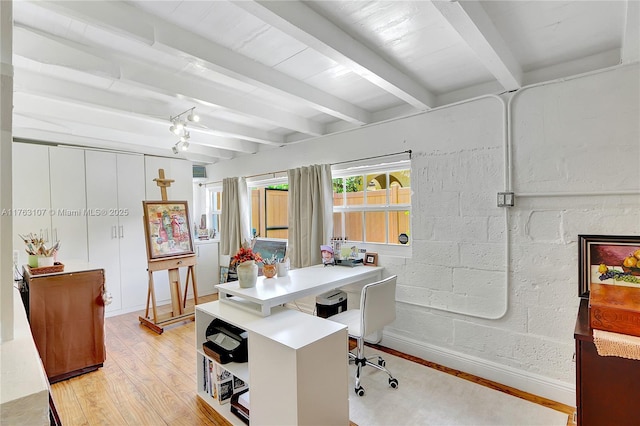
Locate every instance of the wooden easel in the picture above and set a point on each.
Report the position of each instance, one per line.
(173, 265)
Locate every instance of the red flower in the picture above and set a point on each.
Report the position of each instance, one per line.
(245, 254)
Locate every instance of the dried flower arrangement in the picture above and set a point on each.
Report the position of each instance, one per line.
(245, 254)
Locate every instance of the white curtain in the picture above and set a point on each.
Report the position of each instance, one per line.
(235, 224)
(310, 213)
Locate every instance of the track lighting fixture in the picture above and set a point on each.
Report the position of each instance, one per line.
(179, 128)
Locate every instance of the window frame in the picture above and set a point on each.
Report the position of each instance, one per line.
(210, 192)
(363, 169)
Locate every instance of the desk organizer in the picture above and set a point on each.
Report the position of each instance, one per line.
(349, 262)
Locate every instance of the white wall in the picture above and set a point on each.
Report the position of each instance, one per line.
(510, 274)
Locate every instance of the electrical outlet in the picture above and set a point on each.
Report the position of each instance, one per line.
(16, 253)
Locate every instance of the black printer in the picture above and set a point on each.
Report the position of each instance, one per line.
(225, 342)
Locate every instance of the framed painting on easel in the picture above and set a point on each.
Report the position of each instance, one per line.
(167, 229)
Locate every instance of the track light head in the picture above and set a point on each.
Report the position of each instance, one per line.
(175, 149)
(185, 146)
(193, 116)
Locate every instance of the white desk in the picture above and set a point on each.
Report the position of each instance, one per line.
(270, 292)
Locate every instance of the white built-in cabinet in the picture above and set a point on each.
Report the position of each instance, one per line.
(91, 201)
(49, 199)
(115, 186)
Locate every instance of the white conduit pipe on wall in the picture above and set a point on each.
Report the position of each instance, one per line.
(507, 184)
(508, 176)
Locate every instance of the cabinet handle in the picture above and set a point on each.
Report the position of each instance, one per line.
(121, 231)
(198, 251)
(54, 234)
(113, 232)
(573, 359)
(46, 234)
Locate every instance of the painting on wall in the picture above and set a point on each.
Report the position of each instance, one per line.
(608, 259)
(167, 229)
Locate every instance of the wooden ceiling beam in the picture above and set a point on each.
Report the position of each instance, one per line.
(117, 17)
(302, 23)
(475, 27)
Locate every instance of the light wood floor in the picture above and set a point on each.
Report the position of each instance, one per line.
(150, 379)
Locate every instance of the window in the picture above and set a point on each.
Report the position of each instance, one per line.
(214, 207)
(372, 204)
(270, 208)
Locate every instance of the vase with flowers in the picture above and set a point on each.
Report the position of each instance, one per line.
(246, 268)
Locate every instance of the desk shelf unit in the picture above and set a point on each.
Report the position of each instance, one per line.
(297, 368)
(269, 293)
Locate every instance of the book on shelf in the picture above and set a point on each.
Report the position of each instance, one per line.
(220, 383)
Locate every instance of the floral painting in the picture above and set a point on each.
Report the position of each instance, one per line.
(167, 228)
(609, 259)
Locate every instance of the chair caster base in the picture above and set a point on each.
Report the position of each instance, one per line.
(359, 391)
(393, 383)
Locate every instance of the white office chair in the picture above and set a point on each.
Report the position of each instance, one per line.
(377, 309)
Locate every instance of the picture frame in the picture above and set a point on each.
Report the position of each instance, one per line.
(167, 230)
(327, 255)
(371, 259)
(611, 251)
(269, 248)
(224, 271)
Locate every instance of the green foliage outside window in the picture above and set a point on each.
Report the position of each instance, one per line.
(353, 183)
(284, 186)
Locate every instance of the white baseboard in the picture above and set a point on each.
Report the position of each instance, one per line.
(535, 384)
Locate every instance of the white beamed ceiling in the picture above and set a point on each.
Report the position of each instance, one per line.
(263, 74)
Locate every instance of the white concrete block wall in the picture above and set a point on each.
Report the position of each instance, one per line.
(578, 136)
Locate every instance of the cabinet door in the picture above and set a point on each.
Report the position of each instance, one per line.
(30, 191)
(68, 201)
(608, 388)
(133, 251)
(207, 271)
(103, 230)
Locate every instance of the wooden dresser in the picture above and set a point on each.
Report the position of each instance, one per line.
(607, 388)
(66, 316)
